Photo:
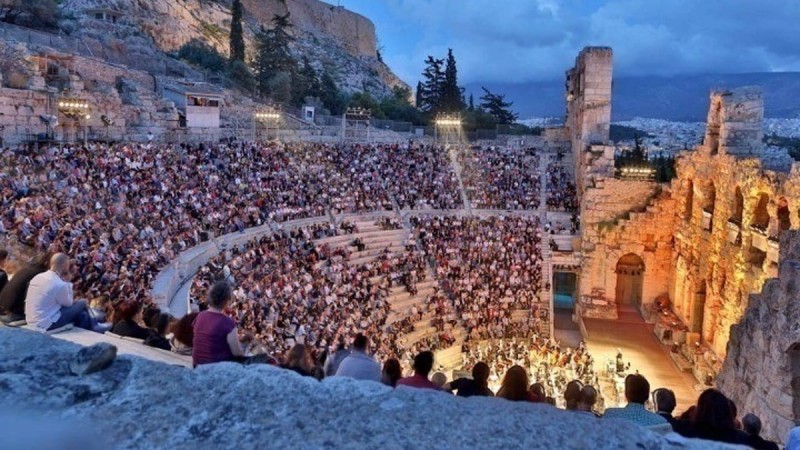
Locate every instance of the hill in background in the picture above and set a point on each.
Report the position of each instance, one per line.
(678, 98)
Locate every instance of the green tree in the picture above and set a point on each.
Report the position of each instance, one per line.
(497, 106)
(366, 101)
(199, 53)
(236, 37)
(305, 83)
(330, 95)
(418, 95)
(433, 82)
(452, 96)
(280, 87)
(273, 56)
(471, 103)
(240, 74)
(398, 107)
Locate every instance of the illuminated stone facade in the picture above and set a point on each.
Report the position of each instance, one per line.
(693, 255)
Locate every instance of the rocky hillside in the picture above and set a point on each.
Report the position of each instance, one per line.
(330, 36)
(135, 403)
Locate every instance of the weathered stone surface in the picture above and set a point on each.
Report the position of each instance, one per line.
(93, 359)
(149, 405)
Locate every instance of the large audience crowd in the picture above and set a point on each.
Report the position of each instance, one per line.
(104, 219)
(501, 178)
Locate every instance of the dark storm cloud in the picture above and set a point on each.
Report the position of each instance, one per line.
(538, 39)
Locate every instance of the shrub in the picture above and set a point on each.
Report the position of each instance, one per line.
(241, 76)
(199, 53)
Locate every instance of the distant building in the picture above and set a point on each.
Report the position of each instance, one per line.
(106, 14)
(198, 107)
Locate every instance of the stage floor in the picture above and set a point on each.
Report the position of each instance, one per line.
(642, 349)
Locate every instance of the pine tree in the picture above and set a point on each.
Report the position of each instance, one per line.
(330, 95)
(236, 36)
(418, 95)
(431, 92)
(305, 83)
(452, 96)
(471, 102)
(497, 106)
(273, 56)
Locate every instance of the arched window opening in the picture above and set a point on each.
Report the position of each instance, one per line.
(760, 214)
(784, 221)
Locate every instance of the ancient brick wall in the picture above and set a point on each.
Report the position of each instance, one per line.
(762, 368)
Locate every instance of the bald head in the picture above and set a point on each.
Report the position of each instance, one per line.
(59, 263)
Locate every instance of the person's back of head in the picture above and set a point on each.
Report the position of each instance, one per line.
(664, 400)
(183, 331)
(423, 363)
(572, 394)
(127, 311)
(219, 294)
(588, 397)
(538, 391)
(515, 384)
(59, 263)
(480, 373)
(751, 424)
(391, 372)
(439, 379)
(161, 323)
(360, 343)
(637, 389)
(713, 411)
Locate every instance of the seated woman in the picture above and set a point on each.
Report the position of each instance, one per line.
(216, 337)
(299, 360)
(515, 386)
(157, 337)
(126, 319)
(183, 334)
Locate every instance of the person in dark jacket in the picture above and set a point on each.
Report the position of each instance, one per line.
(477, 386)
(157, 337)
(3, 268)
(12, 297)
(713, 420)
(752, 426)
(126, 319)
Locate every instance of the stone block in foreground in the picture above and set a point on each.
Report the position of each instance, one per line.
(136, 403)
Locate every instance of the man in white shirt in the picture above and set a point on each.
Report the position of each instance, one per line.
(49, 304)
(359, 364)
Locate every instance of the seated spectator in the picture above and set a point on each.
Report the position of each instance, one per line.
(183, 334)
(637, 389)
(423, 364)
(664, 401)
(714, 420)
(538, 392)
(392, 372)
(515, 386)
(12, 297)
(587, 401)
(100, 310)
(215, 337)
(299, 360)
(3, 268)
(126, 321)
(49, 304)
(572, 395)
(333, 360)
(477, 386)
(157, 335)
(359, 364)
(752, 426)
(439, 379)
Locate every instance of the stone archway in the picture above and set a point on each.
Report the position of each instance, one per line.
(630, 280)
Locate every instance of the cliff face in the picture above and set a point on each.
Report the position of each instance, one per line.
(330, 36)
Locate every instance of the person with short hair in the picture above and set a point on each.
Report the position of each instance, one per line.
(49, 304)
(664, 401)
(423, 364)
(216, 337)
(572, 395)
(587, 400)
(752, 426)
(12, 297)
(477, 386)
(637, 389)
(359, 364)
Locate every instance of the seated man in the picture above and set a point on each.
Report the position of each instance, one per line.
(49, 304)
(358, 364)
(752, 426)
(423, 364)
(637, 389)
(477, 386)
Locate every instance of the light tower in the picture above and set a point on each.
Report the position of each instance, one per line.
(269, 118)
(448, 127)
(356, 125)
(77, 110)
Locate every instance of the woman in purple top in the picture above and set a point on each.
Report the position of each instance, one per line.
(216, 337)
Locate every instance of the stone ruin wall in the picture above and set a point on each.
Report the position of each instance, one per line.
(762, 369)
